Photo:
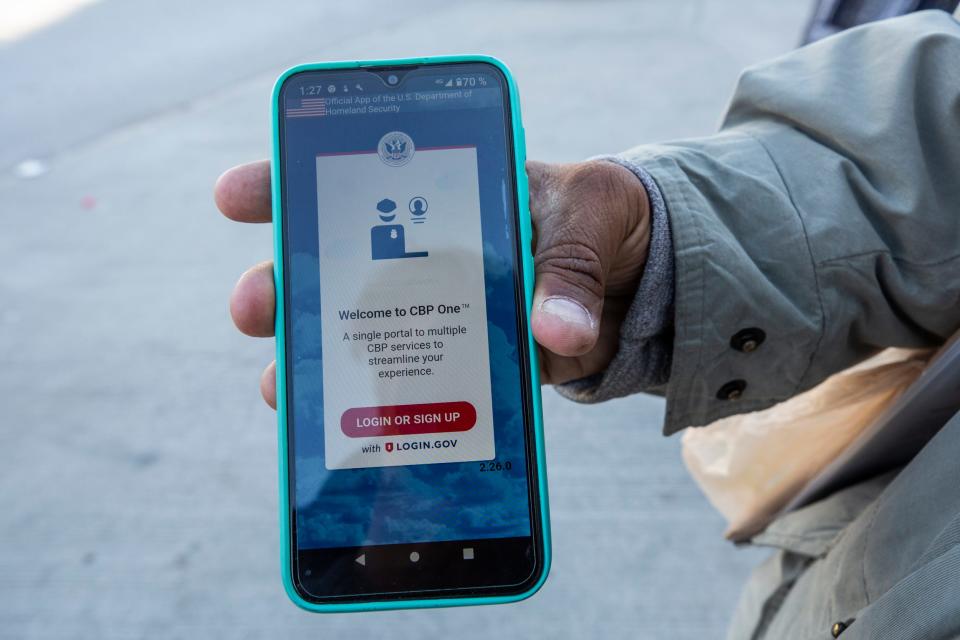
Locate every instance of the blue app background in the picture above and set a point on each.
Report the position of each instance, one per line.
(430, 502)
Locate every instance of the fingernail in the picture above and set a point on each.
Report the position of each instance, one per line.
(567, 310)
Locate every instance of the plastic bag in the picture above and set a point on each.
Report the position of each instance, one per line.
(751, 465)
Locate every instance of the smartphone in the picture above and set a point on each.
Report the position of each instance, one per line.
(411, 446)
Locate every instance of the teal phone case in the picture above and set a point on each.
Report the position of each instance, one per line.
(520, 155)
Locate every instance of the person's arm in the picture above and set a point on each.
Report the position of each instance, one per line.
(821, 224)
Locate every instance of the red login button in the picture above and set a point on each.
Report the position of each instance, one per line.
(404, 419)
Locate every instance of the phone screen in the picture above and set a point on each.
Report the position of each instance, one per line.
(408, 395)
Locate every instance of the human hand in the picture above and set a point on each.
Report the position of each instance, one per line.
(591, 224)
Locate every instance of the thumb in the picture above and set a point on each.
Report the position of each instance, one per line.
(578, 229)
(565, 322)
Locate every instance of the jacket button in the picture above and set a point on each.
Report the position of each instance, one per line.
(733, 390)
(837, 629)
(747, 340)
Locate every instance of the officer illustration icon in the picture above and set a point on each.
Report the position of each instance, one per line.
(387, 241)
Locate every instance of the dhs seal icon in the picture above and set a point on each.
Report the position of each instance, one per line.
(395, 149)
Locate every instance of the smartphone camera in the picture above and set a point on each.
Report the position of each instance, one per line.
(392, 80)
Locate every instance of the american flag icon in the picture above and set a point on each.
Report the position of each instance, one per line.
(308, 107)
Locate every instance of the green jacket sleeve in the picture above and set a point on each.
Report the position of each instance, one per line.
(825, 214)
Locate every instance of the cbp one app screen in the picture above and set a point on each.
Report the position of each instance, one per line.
(406, 366)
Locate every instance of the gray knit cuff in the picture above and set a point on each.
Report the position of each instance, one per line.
(642, 362)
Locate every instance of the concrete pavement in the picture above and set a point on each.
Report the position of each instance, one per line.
(137, 462)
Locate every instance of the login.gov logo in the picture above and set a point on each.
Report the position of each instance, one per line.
(395, 148)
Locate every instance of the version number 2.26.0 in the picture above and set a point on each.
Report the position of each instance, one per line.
(496, 465)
